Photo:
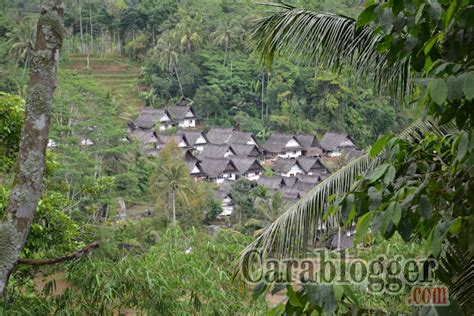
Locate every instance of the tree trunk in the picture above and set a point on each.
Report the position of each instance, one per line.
(263, 85)
(81, 31)
(179, 81)
(226, 47)
(28, 183)
(173, 197)
(92, 33)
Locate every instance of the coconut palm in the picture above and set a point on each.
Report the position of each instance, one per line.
(225, 33)
(172, 179)
(167, 53)
(21, 40)
(188, 30)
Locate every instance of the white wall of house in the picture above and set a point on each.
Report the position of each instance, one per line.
(182, 144)
(335, 153)
(201, 141)
(227, 207)
(292, 143)
(186, 123)
(195, 170)
(199, 148)
(228, 176)
(293, 172)
(252, 176)
(347, 143)
(290, 154)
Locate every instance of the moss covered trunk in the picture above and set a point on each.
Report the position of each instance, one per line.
(27, 188)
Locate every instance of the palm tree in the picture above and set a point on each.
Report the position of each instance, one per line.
(188, 30)
(172, 179)
(167, 53)
(21, 40)
(224, 34)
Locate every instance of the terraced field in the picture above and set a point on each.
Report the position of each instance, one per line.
(118, 75)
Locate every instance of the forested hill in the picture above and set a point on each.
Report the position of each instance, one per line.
(201, 49)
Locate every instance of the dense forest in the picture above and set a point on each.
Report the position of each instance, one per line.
(115, 231)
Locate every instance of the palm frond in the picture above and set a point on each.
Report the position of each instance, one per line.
(329, 41)
(289, 235)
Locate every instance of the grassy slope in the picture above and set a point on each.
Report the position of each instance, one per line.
(116, 74)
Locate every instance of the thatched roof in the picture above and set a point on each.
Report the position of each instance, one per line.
(315, 179)
(332, 141)
(238, 137)
(218, 135)
(307, 141)
(291, 193)
(289, 181)
(191, 165)
(215, 167)
(178, 112)
(164, 139)
(246, 164)
(143, 136)
(312, 164)
(149, 117)
(353, 154)
(314, 152)
(283, 165)
(277, 142)
(191, 136)
(272, 183)
(215, 151)
(303, 186)
(246, 150)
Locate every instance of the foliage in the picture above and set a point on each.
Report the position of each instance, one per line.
(11, 122)
(182, 273)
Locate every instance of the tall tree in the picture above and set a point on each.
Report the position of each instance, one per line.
(167, 54)
(28, 183)
(225, 33)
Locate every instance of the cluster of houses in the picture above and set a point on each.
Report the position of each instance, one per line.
(222, 155)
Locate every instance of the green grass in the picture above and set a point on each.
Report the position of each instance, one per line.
(116, 74)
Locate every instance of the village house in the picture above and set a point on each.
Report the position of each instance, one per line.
(238, 137)
(196, 140)
(193, 165)
(247, 150)
(309, 145)
(283, 146)
(179, 139)
(312, 166)
(247, 167)
(182, 116)
(273, 183)
(216, 151)
(333, 144)
(151, 119)
(313, 179)
(218, 169)
(219, 135)
(287, 167)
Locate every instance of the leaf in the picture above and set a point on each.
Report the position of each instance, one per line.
(378, 172)
(425, 206)
(462, 146)
(468, 86)
(377, 147)
(438, 91)
(429, 44)
(389, 175)
(435, 242)
(362, 226)
(397, 213)
(455, 226)
(367, 16)
(347, 206)
(259, 289)
(292, 297)
(386, 218)
(322, 295)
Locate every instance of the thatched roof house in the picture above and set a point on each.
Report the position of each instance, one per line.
(149, 118)
(219, 135)
(218, 168)
(247, 150)
(271, 183)
(237, 137)
(282, 145)
(247, 167)
(216, 151)
(312, 165)
(287, 167)
(182, 116)
(333, 143)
